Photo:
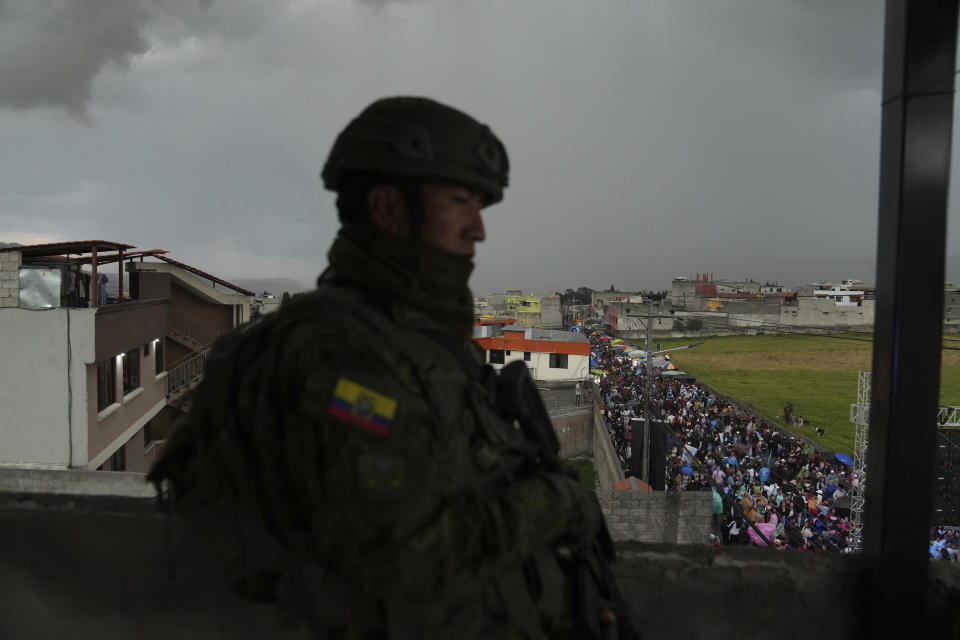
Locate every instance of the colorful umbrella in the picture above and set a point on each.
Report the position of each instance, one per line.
(671, 367)
(768, 529)
(844, 458)
(617, 341)
(605, 337)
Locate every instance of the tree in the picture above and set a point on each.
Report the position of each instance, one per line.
(285, 299)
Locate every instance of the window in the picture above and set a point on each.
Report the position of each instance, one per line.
(131, 370)
(558, 361)
(106, 383)
(158, 364)
(526, 356)
(118, 461)
(496, 356)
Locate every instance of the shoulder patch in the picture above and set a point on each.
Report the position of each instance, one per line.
(362, 407)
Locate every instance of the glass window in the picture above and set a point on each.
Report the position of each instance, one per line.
(526, 356)
(558, 361)
(158, 363)
(496, 356)
(106, 383)
(131, 370)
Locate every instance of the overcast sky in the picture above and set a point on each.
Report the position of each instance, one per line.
(648, 138)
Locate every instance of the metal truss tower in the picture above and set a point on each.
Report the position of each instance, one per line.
(860, 416)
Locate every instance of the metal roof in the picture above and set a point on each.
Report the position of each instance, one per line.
(75, 246)
(204, 274)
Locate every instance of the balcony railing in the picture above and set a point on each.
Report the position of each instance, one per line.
(186, 370)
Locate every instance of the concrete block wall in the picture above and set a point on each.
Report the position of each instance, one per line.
(668, 517)
(604, 455)
(9, 279)
(158, 578)
(575, 433)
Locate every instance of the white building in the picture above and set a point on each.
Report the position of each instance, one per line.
(551, 356)
(82, 374)
(848, 293)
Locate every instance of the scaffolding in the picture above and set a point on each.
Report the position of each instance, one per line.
(860, 416)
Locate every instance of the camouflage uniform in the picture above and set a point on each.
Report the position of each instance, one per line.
(404, 504)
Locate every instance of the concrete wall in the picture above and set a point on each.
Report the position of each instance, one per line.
(43, 385)
(9, 279)
(605, 460)
(951, 310)
(810, 312)
(654, 516)
(214, 315)
(550, 317)
(574, 430)
(105, 565)
(527, 319)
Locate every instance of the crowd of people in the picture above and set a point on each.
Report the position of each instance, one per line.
(945, 543)
(769, 487)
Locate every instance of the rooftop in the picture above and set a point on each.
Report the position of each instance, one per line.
(66, 248)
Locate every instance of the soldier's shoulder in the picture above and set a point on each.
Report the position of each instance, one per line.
(334, 318)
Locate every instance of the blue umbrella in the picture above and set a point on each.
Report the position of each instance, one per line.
(764, 474)
(686, 470)
(844, 458)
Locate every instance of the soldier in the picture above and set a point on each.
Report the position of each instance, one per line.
(357, 424)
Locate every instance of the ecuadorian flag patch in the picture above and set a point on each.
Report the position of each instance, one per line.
(362, 407)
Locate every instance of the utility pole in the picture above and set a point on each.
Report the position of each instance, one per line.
(647, 405)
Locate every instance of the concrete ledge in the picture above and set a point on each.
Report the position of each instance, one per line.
(76, 483)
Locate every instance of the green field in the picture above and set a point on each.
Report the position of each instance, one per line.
(818, 374)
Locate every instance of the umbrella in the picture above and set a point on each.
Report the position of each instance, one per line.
(844, 458)
(766, 528)
(671, 367)
(599, 372)
(617, 341)
(605, 337)
(595, 333)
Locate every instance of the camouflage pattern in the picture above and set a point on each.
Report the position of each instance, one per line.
(432, 524)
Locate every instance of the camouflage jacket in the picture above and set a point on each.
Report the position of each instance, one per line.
(407, 502)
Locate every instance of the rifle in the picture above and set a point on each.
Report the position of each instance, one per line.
(589, 568)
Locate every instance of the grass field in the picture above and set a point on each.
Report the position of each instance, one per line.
(818, 374)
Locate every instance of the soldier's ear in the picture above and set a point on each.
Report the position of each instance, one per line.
(388, 209)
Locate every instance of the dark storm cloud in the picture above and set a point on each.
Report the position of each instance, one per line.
(51, 50)
(648, 138)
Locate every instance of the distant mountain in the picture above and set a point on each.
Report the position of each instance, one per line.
(10, 244)
(275, 286)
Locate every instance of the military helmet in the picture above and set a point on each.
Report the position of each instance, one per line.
(419, 138)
